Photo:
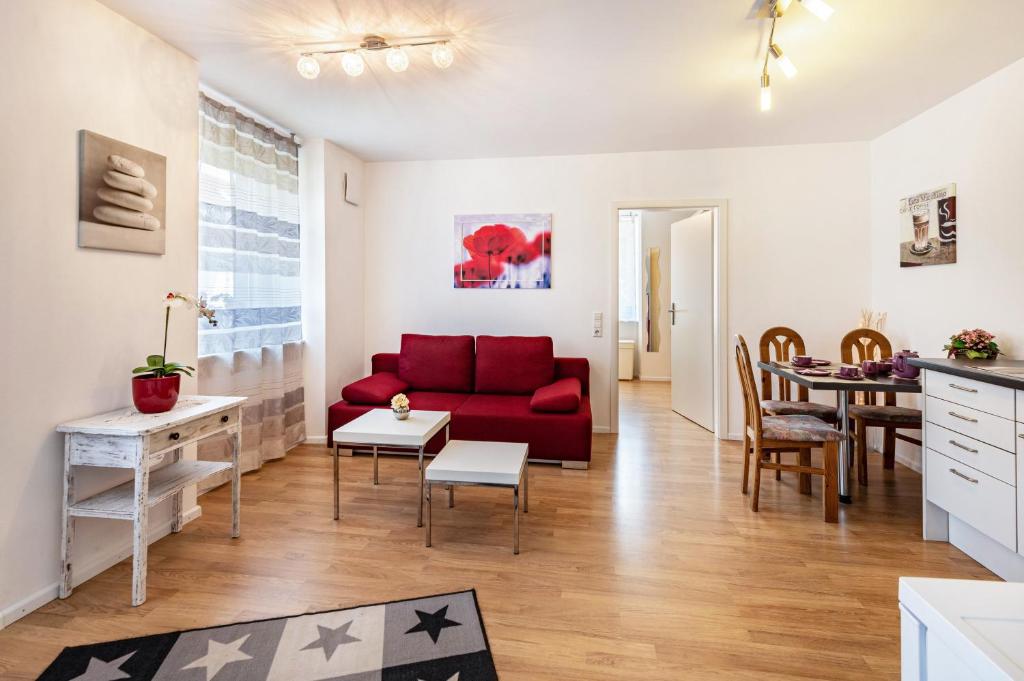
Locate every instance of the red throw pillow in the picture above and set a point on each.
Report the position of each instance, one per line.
(514, 365)
(376, 389)
(437, 363)
(562, 396)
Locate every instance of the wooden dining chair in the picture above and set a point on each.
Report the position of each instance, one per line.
(866, 412)
(764, 435)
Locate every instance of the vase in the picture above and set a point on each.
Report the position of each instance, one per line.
(401, 414)
(155, 394)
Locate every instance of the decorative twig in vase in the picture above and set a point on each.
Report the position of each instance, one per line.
(155, 386)
(976, 344)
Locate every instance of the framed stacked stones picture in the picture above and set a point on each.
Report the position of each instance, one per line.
(121, 196)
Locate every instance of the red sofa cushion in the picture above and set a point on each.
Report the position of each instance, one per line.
(340, 413)
(513, 365)
(385, 361)
(378, 388)
(430, 401)
(559, 397)
(576, 367)
(508, 418)
(438, 363)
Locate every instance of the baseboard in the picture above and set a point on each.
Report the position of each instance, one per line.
(909, 460)
(86, 571)
(601, 430)
(657, 379)
(316, 440)
(734, 436)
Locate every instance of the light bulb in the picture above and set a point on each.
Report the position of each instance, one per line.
(442, 55)
(766, 92)
(308, 67)
(397, 59)
(782, 5)
(818, 8)
(352, 63)
(783, 61)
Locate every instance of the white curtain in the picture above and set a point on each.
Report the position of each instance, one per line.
(249, 273)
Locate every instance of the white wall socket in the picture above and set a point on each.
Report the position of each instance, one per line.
(598, 324)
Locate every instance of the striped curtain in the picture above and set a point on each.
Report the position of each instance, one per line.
(249, 273)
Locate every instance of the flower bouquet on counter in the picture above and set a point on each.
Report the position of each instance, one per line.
(976, 344)
(400, 406)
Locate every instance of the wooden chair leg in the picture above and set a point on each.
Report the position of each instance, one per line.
(778, 459)
(889, 449)
(746, 461)
(805, 478)
(757, 478)
(830, 491)
(862, 452)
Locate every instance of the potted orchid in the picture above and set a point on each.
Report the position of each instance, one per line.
(976, 344)
(400, 406)
(155, 386)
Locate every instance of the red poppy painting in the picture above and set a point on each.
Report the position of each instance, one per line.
(503, 251)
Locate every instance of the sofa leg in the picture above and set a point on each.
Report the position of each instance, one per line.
(576, 465)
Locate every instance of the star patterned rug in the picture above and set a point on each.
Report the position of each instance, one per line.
(437, 638)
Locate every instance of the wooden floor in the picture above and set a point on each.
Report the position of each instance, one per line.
(648, 566)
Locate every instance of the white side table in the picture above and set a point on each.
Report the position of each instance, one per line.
(126, 438)
(490, 464)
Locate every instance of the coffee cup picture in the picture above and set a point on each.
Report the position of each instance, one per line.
(928, 227)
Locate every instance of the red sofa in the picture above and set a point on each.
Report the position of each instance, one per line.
(501, 388)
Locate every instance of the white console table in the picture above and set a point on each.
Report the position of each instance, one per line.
(128, 439)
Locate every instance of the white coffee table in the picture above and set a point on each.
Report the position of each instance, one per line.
(490, 464)
(381, 431)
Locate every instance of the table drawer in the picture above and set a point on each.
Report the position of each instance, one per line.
(974, 453)
(981, 501)
(994, 399)
(175, 436)
(967, 421)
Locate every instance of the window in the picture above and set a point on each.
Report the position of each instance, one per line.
(629, 272)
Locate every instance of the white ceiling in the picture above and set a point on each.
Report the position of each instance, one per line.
(544, 77)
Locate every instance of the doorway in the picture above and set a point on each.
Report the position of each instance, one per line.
(670, 306)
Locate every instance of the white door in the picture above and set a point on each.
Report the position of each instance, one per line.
(691, 318)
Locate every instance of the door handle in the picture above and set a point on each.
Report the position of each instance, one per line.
(672, 314)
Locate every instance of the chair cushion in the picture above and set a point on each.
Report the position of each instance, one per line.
(791, 408)
(881, 412)
(513, 365)
(375, 389)
(797, 429)
(438, 363)
(560, 397)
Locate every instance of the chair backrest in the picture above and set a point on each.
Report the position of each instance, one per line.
(864, 344)
(752, 405)
(779, 344)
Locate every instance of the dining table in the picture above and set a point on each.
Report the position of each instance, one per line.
(843, 388)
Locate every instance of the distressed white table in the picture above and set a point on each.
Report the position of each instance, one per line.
(125, 438)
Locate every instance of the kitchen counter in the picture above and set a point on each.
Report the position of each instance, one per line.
(986, 370)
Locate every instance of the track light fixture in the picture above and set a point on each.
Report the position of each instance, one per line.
(396, 57)
(775, 9)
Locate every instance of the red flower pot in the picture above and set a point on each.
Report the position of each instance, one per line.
(155, 395)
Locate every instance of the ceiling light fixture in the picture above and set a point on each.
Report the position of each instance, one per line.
(774, 9)
(397, 58)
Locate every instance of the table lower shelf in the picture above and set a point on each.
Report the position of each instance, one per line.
(119, 502)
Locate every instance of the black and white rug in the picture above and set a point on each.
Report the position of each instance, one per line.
(438, 638)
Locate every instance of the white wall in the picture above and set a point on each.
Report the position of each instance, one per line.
(976, 139)
(76, 321)
(797, 215)
(333, 278)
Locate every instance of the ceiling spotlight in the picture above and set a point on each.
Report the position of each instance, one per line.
(352, 63)
(818, 8)
(766, 92)
(308, 67)
(442, 55)
(397, 59)
(782, 5)
(783, 61)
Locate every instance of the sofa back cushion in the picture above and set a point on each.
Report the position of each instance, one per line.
(513, 365)
(438, 363)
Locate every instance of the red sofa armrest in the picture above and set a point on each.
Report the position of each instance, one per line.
(561, 397)
(376, 389)
(574, 367)
(384, 361)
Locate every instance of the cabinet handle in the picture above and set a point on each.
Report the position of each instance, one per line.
(225, 418)
(969, 479)
(962, 417)
(963, 447)
(960, 387)
(174, 436)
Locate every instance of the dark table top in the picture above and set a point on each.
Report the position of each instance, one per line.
(881, 384)
(1004, 372)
